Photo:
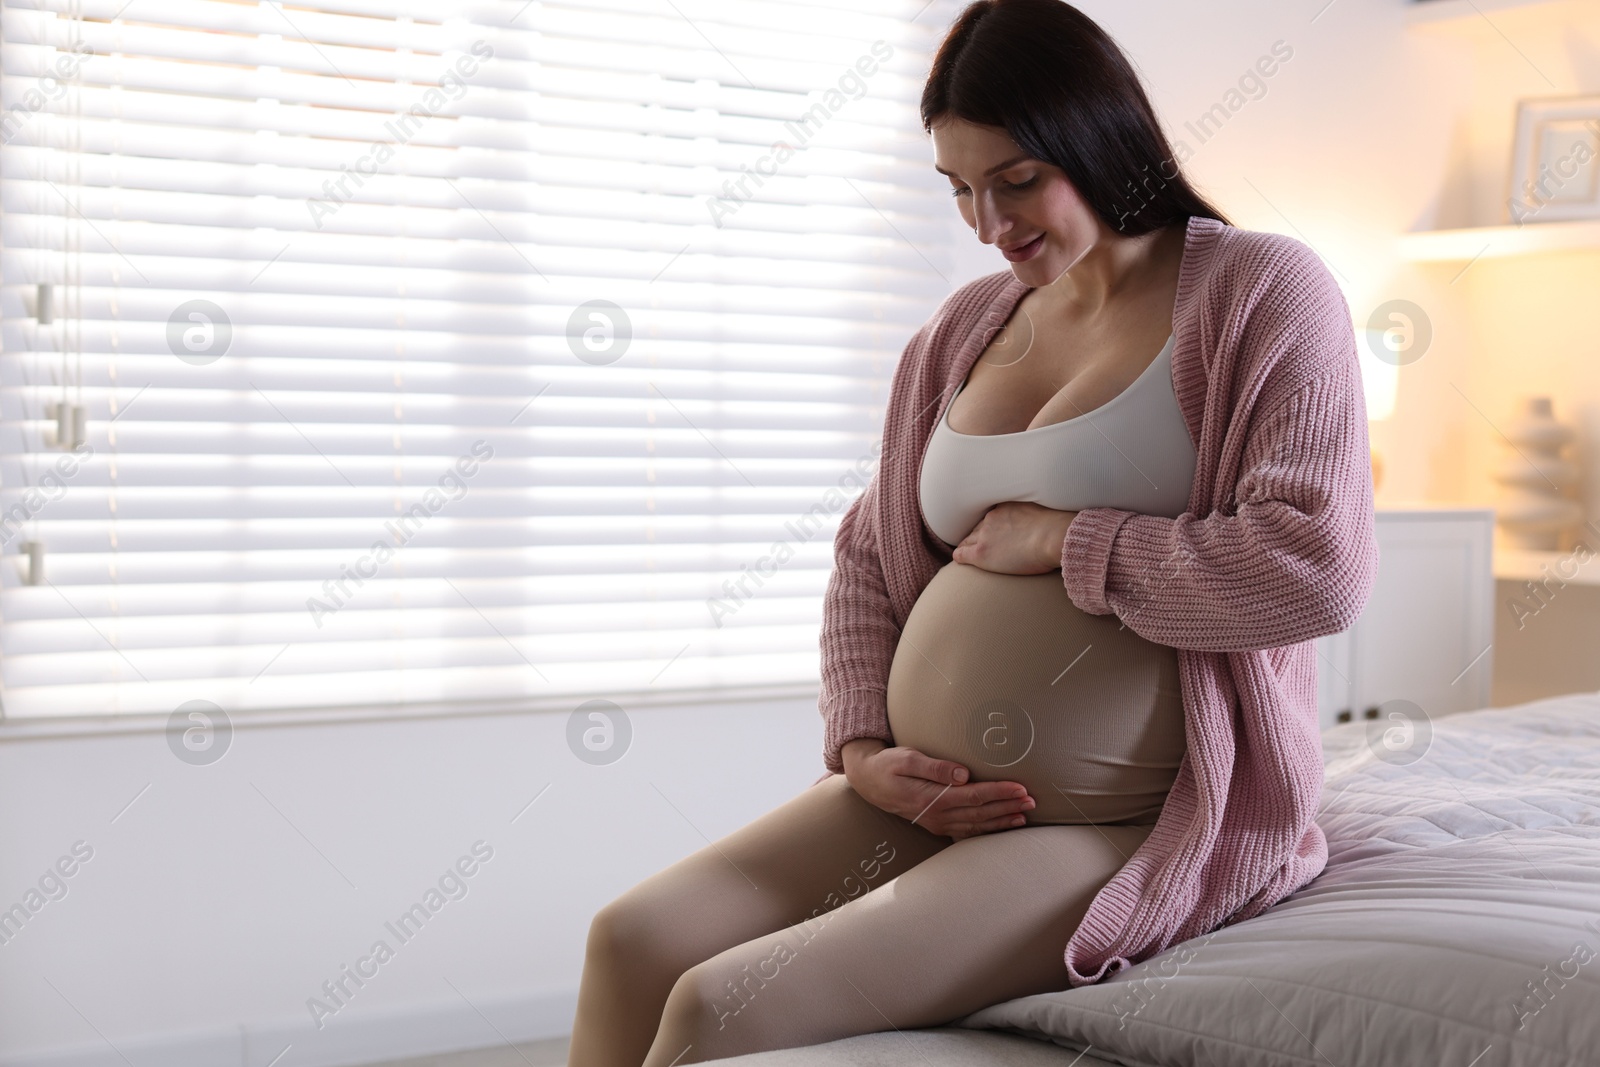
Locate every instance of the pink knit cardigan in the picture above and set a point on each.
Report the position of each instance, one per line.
(1275, 548)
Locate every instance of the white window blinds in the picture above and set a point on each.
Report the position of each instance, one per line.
(362, 354)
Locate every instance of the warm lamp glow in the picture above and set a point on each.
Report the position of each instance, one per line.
(1380, 379)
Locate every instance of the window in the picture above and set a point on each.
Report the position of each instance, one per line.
(362, 354)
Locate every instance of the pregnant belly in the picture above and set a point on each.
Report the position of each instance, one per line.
(1005, 675)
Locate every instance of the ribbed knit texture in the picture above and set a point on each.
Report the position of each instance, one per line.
(1275, 549)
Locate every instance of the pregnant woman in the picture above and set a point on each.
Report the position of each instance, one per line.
(1068, 680)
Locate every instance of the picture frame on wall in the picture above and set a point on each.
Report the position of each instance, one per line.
(1555, 160)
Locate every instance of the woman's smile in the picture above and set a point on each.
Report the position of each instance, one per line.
(1022, 253)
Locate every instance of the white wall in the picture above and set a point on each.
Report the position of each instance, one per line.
(1346, 147)
(205, 919)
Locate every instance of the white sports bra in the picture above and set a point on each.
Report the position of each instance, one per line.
(1131, 452)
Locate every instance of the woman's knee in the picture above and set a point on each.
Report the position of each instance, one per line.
(607, 936)
(703, 1010)
(628, 933)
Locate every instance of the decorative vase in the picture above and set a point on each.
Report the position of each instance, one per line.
(1534, 509)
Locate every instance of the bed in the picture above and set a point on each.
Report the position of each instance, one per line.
(1457, 923)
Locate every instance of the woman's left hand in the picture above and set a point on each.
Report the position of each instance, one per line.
(1016, 537)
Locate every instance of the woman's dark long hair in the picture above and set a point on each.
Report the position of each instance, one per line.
(1065, 92)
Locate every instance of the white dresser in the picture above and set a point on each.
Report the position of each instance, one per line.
(1427, 630)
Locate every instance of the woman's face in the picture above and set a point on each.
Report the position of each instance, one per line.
(1025, 207)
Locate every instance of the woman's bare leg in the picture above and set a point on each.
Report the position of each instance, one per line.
(817, 852)
(982, 921)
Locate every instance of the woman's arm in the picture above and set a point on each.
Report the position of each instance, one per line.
(1294, 557)
(1293, 554)
(858, 634)
(858, 643)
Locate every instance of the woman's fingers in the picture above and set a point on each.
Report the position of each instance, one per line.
(988, 826)
(982, 807)
(943, 771)
(988, 792)
(1006, 808)
(936, 794)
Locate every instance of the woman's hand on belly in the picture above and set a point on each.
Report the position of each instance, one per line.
(1016, 537)
(930, 792)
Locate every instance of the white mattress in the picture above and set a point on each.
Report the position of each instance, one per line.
(1455, 885)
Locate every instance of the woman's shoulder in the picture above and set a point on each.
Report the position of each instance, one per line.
(968, 305)
(1281, 299)
(1252, 267)
(966, 309)
(926, 366)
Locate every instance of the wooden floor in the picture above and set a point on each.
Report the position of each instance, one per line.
(551, 1053)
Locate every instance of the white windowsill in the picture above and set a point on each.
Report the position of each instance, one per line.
(156, 722)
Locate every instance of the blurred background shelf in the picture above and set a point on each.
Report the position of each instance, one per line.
(1469, 15)
(1490, 242)
(1521, 565)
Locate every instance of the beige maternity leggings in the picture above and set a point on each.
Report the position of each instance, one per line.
(829, 917)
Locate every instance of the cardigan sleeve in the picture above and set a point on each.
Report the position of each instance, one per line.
(859, 633)
(1292, 556)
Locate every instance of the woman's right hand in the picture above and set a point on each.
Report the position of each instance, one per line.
(932, 793)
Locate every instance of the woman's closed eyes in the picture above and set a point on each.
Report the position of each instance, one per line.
(1008, 186)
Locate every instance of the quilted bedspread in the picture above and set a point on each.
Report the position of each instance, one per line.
(1457, 921)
